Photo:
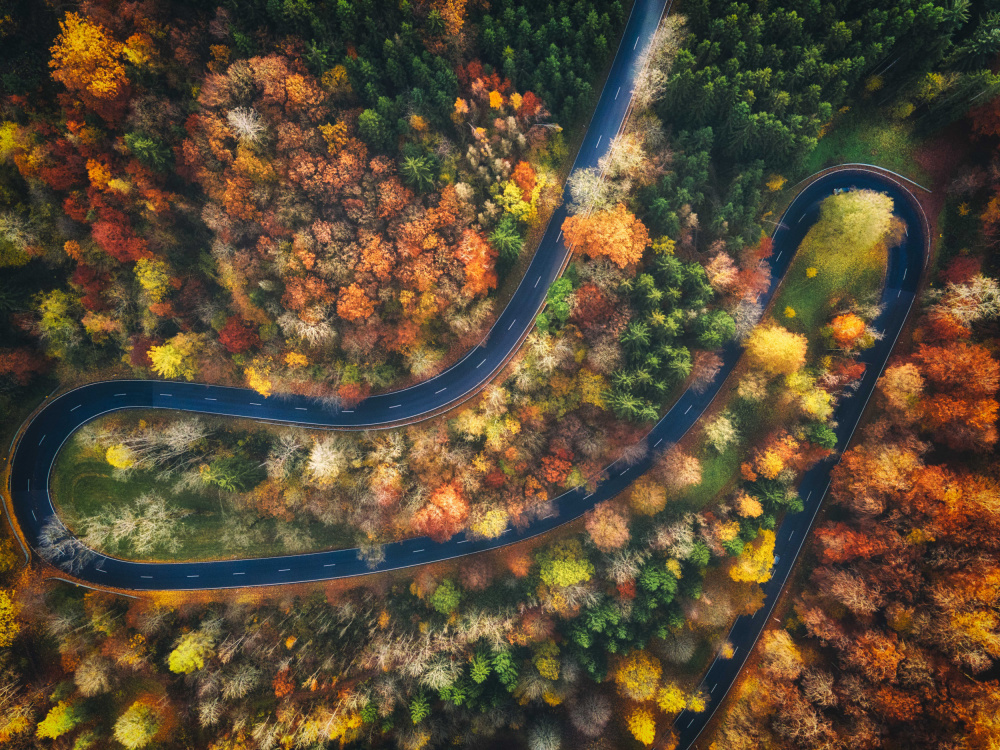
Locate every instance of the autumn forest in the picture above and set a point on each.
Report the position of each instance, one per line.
(727, 478)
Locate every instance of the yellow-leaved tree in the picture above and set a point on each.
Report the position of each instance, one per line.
(755, 561)
(9, 626)
(177, 358)
(120, 456)
(642, 725)
(137, 727)
(86, 58)
(776, 350)
(638, 676)
(191, 652)
(154, 277)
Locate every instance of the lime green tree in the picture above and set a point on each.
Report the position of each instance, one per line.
(61, 719)
(137, 727)
(565, 564)
(191, 652)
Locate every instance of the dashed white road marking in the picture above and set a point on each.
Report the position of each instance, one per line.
(417, 550)
(145, 576)
(43, 438)
(301, 408)
(599, 140)
(440, 391)
(210, 399)
(465, 541)
(618, 92)
(167, 394)
(512, 324)
(395, 406)
(657, 442)
(254, 403)
(242, 573)
(536, 282)
(548, 516)
(636, 43)
(480, 364)
(779, 256)
(33, 514)
(688, 409)
(196, 575)
(329, 565)
(283, 570)
(76, 407)
(809, 496)
(119, 394)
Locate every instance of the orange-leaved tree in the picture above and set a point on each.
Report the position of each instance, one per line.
(616, 234)
(87, 60)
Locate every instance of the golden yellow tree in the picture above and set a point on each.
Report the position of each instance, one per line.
(642, 725)
(177, 357)
(755, 562)
(638, 676)
(9, 626)
(776, 350)
(86, 58)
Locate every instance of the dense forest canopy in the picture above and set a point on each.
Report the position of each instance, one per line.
(328, 197)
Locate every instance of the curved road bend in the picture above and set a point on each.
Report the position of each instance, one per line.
(42, 438)
(906, 265)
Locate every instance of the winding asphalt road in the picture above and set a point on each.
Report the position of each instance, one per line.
(41, 440)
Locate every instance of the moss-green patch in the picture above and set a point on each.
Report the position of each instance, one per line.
(83, 485)
(865, 136)
(832, 267)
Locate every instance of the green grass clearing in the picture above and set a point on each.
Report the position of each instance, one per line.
(841, 260)
(83, 486)
(866, 136)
